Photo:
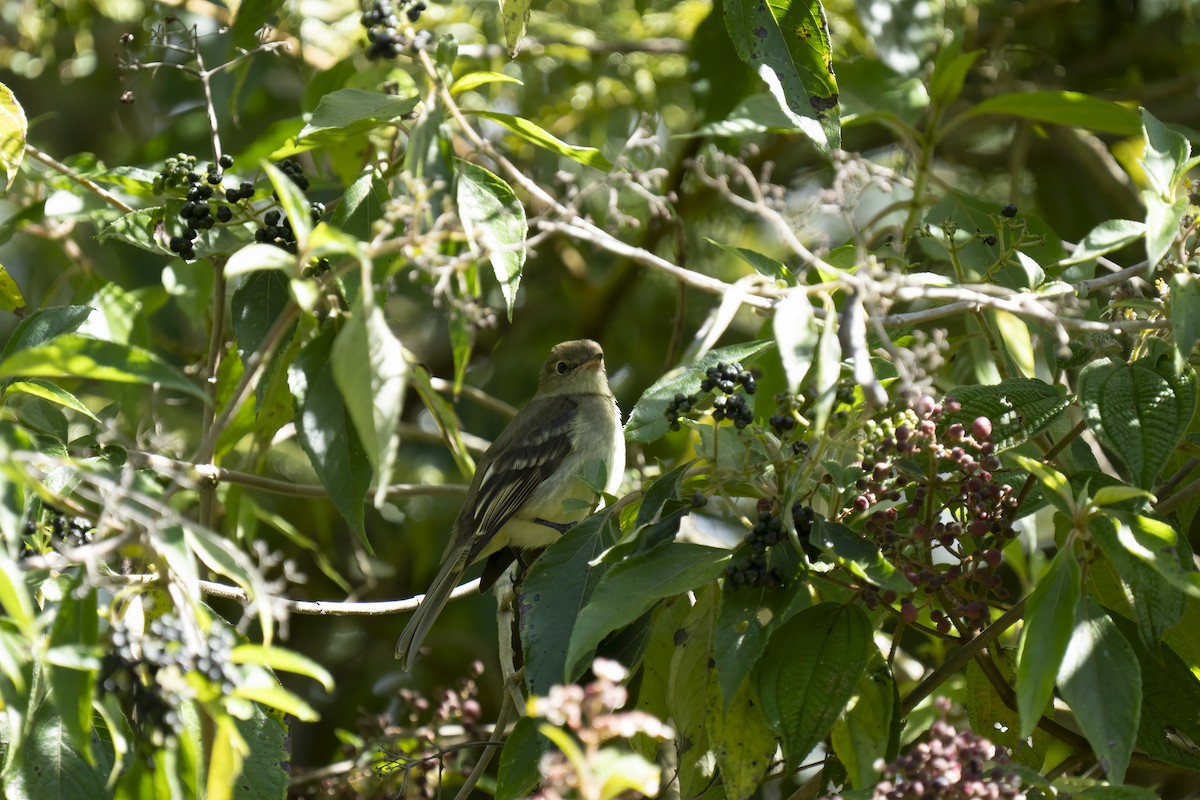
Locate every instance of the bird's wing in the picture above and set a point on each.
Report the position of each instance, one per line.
(506, 481)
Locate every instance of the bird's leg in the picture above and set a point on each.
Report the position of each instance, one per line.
(561, 527)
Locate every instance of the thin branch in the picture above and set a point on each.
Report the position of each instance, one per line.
(91, 185)
(318, 608)
(478, 395)
(199, 474)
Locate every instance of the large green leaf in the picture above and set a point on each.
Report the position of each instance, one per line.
(43, 325)
(647, 421)
(861, 736)
(75, 627)
(631, 587)
(349, 113)
(1019, 408)
(1185, 316)
(1139, 411)
(13, 129)
(787, 43)
(1101, 680)
(1157, 604)
(372, 373)
(558, 585)
(1164, 157)
(1106, 237)
(745, 623)
(809, 673)
(1049, 622)
(494, 220)
(1064, 108)
(326, 432)
(687, 689)
(72, 355)
(51, 764)
(517, 774)
(739, 738)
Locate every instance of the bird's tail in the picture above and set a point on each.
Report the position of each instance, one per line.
(431, 605)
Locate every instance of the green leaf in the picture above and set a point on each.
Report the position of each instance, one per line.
(281, 660)
(294, 203)
(75, 625)
(518, 774)
(1056, 487)
(687, 690)
(43, 325)
(13, 130)
(144, 229)
(825, 372)
(473, 80)
(858, 555)
(987, 711)
(224, 558)
(72, 355)
(796, 334)
(631, 587)
(1119, 793)
(266, 770)
(950, 70)
(11, 298)
(1157, 604)
(763, 265)
(1163, 220)
(326, 432)
(758, 113)
(372, 373)
(647, 421)
(1161, 547)
(1101, 680)
(48, 391)
(51, 764)
(494, 220)
(1169, 730)
(809, 673)
(1185, 316)
(746, 621)
(515, 16)
(558, 585)
(588, 156)
(1139, 411)
(1049, 621)
(1019, 408)
(787, 43)
(1115, 494)
(256, 257)
(1164, 157)
(739, 738)
(1074, 109)
(861, 736)
(1105, 238)
(349, 113)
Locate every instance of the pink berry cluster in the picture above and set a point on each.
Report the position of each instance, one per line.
(948, 765)
(938, 510)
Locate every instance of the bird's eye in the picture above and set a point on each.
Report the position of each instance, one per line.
(562, 368)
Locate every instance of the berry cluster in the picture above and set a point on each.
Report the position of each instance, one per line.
(57, 528)
(728, 405)
(753, 572)
(949, 765)
(197, 213)
(382, 22)
(146, 673)
(941, 478)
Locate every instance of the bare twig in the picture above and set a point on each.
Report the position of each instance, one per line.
(91, 185)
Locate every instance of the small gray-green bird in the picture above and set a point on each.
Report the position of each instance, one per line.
(527, 488)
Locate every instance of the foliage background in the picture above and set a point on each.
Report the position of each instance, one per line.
(593, 73)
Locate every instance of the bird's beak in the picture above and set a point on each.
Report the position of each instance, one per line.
(595, 362)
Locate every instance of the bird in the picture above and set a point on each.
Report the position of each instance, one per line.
(526, 491)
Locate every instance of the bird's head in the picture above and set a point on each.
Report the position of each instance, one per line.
(575, 367)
